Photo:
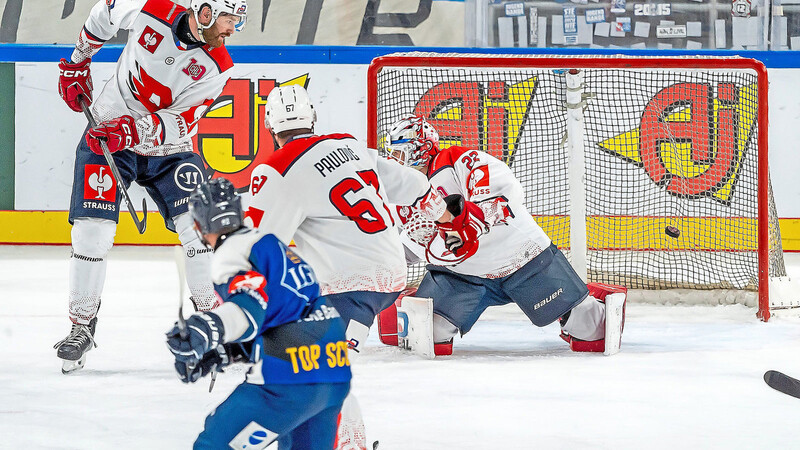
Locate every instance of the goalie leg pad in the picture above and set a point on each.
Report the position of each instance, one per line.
(197, 260)
(92, 239)
(595, 325)
(415, 325)
(387, 320)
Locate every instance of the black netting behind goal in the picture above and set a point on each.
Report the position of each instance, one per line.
(670, 155)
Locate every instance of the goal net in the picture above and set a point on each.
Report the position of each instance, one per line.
(646, 172)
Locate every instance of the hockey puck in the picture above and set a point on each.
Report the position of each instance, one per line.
(672, 231)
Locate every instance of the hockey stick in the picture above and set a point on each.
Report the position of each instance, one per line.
(782, 383)
(140, 225)
(184, 333)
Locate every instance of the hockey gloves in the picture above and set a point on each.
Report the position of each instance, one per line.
(468, 224)
(74, 81)
(119, 134)
(203, 335)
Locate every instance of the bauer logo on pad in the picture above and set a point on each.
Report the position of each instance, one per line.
(150, 39)
(99, 183)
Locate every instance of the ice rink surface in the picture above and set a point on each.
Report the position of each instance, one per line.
(688, 377)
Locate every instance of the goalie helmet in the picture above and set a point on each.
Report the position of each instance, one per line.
(412, 141)
(289, 108)
(236, 8)
(216, 208)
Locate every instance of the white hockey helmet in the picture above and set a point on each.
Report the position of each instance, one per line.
(289, 108)
(236, 8)
(412, 141)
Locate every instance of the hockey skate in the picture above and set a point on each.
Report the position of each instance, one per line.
(73, 348)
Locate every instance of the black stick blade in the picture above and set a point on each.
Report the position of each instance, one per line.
(782, 383)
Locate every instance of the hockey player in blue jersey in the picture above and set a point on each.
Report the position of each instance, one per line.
(271, 316)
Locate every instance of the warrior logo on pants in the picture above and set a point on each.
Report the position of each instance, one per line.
(188, 176)
(99, 183)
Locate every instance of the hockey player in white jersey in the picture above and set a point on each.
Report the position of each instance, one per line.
(513, 260)
(171, 70)
(330, 194)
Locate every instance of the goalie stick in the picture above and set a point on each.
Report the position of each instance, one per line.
(782, 383)
(140, 225)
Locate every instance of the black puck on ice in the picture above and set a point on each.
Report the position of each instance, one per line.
(672, 231)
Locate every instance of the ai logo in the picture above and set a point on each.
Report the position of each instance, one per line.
(253, 437)
(188, 176)
(99, 183)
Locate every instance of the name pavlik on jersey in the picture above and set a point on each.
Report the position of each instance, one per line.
(548, 299)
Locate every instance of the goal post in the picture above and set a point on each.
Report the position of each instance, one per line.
(648, 172)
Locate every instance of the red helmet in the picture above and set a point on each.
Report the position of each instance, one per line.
(412, 141)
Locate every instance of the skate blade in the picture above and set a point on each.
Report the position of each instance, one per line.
(614, 307)
(71, 366)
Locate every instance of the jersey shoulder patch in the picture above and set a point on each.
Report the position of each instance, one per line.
(163, 10)
(283, 159)
(446, 158)
(220, 56)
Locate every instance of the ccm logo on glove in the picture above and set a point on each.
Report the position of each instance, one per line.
(118, 134)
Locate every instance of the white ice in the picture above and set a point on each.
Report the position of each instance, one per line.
(687, 377)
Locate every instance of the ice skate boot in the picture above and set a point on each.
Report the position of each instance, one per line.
(73, 348)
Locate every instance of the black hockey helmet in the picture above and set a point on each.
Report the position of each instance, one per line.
(216, 207)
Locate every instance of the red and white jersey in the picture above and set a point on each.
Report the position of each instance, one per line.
(478, 176)
(330, 195)
(165, 85)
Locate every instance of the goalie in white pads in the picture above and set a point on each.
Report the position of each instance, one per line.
(512, 260)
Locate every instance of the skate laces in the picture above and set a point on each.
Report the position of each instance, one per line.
(78, 335)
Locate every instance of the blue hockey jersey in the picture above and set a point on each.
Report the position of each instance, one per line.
(296, 337)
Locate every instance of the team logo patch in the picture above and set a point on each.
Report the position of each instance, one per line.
(250, 280)
(150, 39)
(99, 183)
(252, 283)
(242, 9)
(188, 176)
(478, 182)
(194, 70)
(253, 437)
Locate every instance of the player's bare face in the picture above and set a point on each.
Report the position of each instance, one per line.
(223, 27)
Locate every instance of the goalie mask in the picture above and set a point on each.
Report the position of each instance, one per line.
(216, 208)
(289, 108)
(412, 141)
(236, 8)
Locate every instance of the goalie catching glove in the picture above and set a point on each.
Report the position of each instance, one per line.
(119, 134)
(74, 82)
(470, 221)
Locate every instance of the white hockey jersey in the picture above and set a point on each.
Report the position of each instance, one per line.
(165, 85)
(330, 193)
(478, 176)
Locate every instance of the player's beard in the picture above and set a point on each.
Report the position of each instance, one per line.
(213, 37)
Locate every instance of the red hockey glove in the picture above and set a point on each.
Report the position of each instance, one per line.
(75, 80)
(119, 134)
(467, 226)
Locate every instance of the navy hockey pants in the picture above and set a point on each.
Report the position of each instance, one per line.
(544, 289)
(298, 416)
(167, 179)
